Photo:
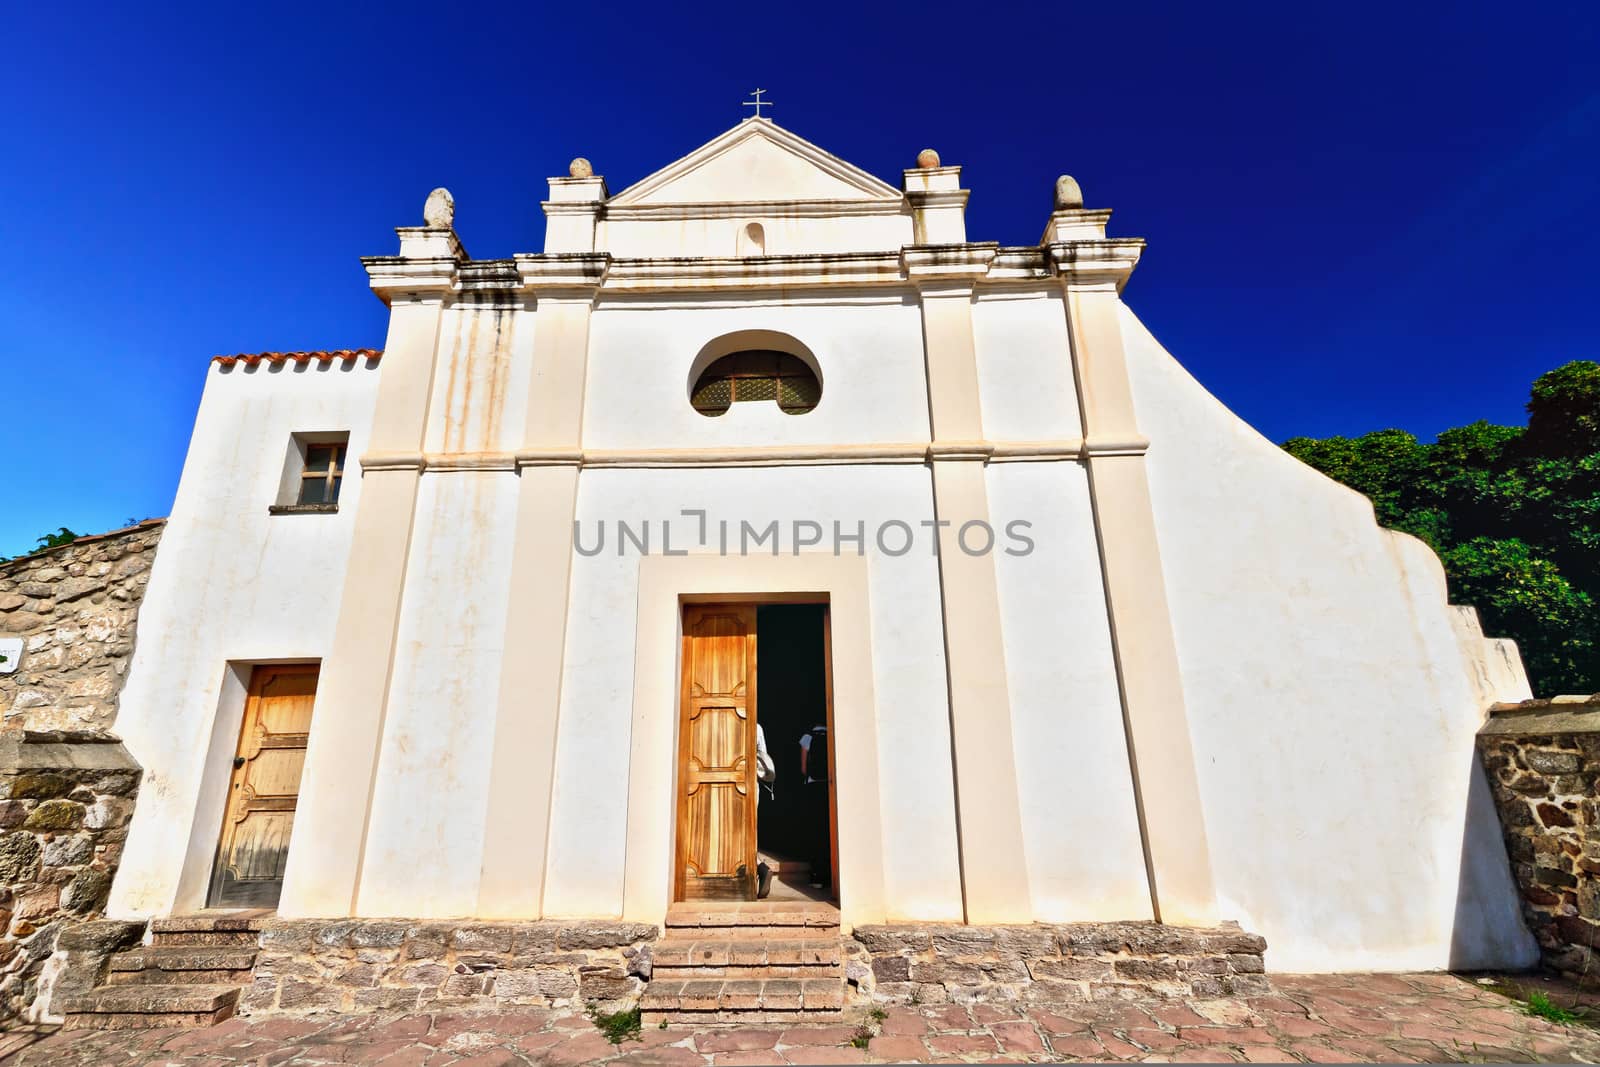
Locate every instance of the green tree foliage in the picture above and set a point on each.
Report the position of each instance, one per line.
(62, 536)
(1513, 512)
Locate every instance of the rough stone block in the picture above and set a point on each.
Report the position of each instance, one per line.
(297, 995)
(378, 935)
(604, 935)
(946, 973)
(511, 985)
(481, 938)
(467, 985)
(289, 935)
(55, 815)
(605, 983)
(41, 786)
(1072, 969)
(386, 999)
(964, 943)
(557, 983)
(888, 940)
(891, 968)
(20, 856)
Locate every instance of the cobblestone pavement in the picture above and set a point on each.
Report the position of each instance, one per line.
(1317, 1019)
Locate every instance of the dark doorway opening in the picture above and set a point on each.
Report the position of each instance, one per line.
(793, 820)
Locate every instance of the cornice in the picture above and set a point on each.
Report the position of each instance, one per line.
(956, 267)
(804, 209)
(891, 452)
(1081, 264)
(1089, 263)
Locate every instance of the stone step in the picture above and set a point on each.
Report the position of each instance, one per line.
(190, 1005)
(651, 1020)
(205, 939)
(253, 921)
(751, 921)
(740, 954)
(704, 997)
(183, 964)
(186, 1020)
(209, 928)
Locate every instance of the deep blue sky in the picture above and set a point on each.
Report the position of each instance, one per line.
(1359, 216)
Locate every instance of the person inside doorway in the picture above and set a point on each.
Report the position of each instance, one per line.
(814, 772)
(766, 775)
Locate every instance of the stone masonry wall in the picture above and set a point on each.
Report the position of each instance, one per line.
(68, 799)
(1543, 763)
(1075, 961)
(345, 965)
(67, 786)
(75, 607)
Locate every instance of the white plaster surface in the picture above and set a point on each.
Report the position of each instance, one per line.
(231, 584)
(424, 848)
(480, 386)
(1331, 708)
(874, 386)
(1025, 378)
(1081, 828)
(589, 815)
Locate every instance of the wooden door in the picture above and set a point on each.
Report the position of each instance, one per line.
(264, 788)
(717, 754)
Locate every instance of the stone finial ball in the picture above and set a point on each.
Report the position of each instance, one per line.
(927, 159)
(1068, 196)
(580, 168)
(439, 212)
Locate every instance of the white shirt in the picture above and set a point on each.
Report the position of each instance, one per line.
(766, 770)
(805, 746)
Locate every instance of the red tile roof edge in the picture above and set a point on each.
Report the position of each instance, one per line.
(343, 355)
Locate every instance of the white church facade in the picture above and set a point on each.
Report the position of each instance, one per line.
(482, 625)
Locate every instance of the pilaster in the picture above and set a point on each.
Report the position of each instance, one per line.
(994, 870)
(522, 773)
(1160, 749)
(324, 866)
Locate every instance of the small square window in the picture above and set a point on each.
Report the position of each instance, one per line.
(312, 474)
(324, 469)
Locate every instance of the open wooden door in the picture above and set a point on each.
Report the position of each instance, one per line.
(265, 786)
(717, 754)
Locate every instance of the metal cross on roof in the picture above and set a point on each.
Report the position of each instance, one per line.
(758, 103)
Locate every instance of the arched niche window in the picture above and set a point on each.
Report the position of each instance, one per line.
(752, 240)
(756, 375)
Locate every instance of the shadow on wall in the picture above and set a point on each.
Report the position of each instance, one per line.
(1489, 932)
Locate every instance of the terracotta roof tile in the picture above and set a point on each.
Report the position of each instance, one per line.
(342, 355)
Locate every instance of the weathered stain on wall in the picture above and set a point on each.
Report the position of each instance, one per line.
(75, 608)
(1543, 759)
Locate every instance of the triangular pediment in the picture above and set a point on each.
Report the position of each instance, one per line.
(756, 162)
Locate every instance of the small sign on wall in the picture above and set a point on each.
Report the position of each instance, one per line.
(10, 654)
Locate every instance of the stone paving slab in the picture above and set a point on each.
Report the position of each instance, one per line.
(1414, 1018)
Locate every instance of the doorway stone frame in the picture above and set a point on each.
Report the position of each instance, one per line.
(666, 583)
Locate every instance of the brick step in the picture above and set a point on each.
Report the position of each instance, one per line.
(130, 1006)
(703, 997)
(182, 964)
